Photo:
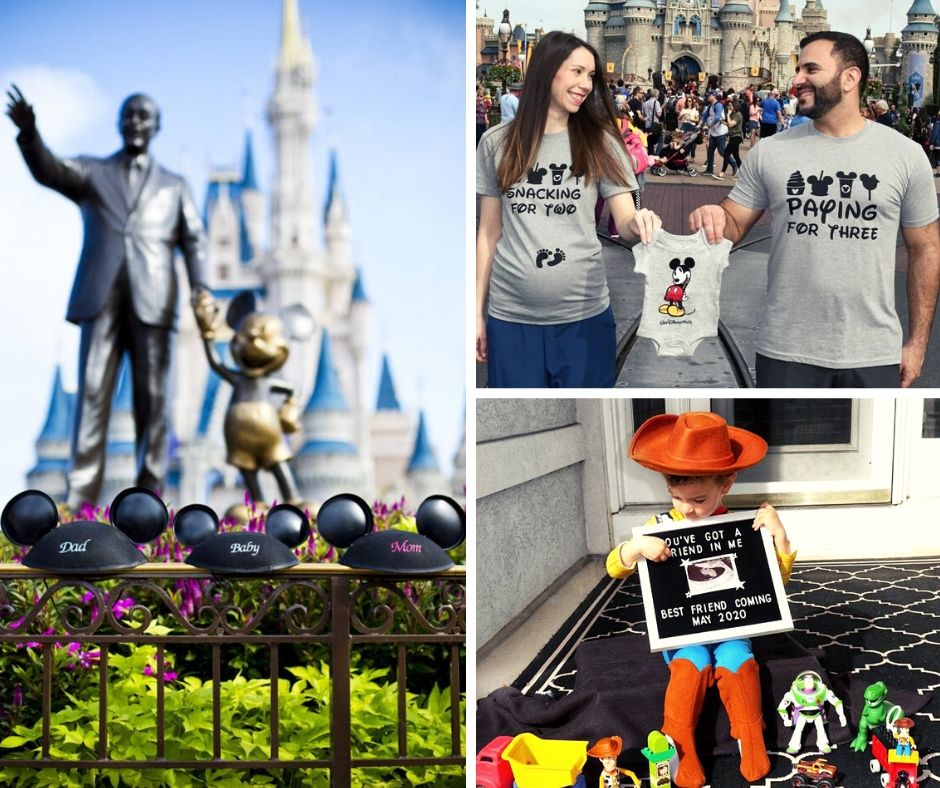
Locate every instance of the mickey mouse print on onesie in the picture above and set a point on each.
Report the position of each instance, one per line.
(675, 293)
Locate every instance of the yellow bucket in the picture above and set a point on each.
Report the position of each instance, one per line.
(545, 763)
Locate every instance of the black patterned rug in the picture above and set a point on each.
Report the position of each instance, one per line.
(862, 621)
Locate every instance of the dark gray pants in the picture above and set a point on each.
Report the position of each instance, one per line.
(773, 373)
(103, 342)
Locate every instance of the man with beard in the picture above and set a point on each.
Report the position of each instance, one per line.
(838, 189)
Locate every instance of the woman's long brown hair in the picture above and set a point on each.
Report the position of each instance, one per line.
(592, 155)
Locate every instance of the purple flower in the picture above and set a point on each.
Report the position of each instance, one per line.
(120, 608)
(168, 675)
(17, 696)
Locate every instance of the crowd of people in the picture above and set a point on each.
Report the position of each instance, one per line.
(543, 307)
(682, 116)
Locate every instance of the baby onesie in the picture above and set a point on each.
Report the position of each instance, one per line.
(683, 284)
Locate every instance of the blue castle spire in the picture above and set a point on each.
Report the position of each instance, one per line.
(59, 416)
(359, 290)
(387, 399)
(249, 181)
(422, 458)
(333, 192)
(327, 394)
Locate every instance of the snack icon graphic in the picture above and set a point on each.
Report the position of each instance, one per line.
(796, 185)
(819, 186)
(870, 182)
(536, 174)
(557, 173)
(845, 183)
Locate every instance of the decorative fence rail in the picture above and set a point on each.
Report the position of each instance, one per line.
(338, 608)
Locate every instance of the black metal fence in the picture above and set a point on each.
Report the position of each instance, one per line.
(338, 609)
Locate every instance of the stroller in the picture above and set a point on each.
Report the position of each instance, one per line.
(675, 159)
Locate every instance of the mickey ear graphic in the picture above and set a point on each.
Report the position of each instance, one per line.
(195, 523)
(287, 524)
(344, 518)
(140, 514)
(28, 516)
(442, 520)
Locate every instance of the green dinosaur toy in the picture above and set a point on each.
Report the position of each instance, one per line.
(876, 712)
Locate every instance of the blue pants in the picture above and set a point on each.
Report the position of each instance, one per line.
(714, 142)
(565, 355)
(731, 654)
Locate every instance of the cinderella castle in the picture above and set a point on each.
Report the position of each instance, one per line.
(740, 42)
(351, 439)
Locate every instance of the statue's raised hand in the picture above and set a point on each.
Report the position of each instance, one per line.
(20, 111)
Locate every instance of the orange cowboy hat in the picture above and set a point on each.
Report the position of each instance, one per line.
(695, 444)
(606, 748)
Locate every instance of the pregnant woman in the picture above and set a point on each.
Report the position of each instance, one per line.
(543, 308)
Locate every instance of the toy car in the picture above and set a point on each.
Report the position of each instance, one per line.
(900, 771)
(819, 773)
(492, 770)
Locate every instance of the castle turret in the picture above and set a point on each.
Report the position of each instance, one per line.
(424, 476)
(636, 23)
(390, 431)
(52, 446)
(785, 27)
(814, 17)
(252, 206)
(919, 40)
(292, 115)
(329, 461)
(595, 17)
(336, 233)
(737, 20)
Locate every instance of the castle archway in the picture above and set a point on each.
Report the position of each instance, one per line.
(685, 68)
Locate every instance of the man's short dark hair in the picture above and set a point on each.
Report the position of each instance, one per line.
(847, 49)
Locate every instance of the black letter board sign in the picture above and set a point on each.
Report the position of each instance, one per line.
(722, 582)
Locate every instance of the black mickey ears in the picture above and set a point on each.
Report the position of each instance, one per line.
(241, 552)
(28, 517)
(346, 521)
(343, 519)
(87, 547)
(442, 520)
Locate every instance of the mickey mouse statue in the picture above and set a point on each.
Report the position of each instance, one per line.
(254, 428)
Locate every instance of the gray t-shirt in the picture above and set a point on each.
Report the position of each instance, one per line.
(548, 266)
(836, 203)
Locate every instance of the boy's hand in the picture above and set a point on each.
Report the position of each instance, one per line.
(652, 548)
(768, 518)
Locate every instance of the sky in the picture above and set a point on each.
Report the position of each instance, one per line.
(390, 94)
(850, 16)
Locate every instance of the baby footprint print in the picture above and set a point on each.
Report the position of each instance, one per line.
(546, 256)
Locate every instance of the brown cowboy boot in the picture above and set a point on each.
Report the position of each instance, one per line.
(685, 695)
(740, 693)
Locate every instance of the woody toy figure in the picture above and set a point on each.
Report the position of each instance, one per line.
(607, 750)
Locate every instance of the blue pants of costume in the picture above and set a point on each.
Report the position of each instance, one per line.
(581, 354)
(730, 654)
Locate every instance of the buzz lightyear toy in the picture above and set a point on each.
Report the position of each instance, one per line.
(808, 696)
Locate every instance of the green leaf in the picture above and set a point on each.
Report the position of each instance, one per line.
(13, 741)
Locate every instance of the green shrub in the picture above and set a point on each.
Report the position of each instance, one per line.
(304, 715)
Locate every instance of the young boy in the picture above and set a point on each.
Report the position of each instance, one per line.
(699, 456)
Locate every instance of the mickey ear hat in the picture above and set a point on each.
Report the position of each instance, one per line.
(695, 444)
